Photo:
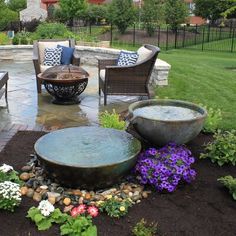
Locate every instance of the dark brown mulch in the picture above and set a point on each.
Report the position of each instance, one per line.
(202, 208)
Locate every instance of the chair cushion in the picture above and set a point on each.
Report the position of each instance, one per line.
(52, 56)
(143, 53)
(43, 68)
(43, 44)
(67, 54)
(127, 58)
(102, 74)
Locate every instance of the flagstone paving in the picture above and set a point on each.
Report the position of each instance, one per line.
(28, 110)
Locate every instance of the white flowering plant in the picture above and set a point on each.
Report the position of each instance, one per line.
(45, 215)
(10, 195)
(7, 173)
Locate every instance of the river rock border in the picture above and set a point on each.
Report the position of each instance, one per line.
(38, 187)
(88, 56)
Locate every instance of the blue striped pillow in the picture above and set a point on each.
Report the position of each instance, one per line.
(127, 58)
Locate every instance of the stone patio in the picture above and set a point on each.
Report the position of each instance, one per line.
(26, 110)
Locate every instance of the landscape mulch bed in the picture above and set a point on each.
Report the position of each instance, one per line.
(202, 208)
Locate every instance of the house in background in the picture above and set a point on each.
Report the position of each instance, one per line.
(192, 19)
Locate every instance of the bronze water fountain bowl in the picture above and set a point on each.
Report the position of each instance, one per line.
(159, 130)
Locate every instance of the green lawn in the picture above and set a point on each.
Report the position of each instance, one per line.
(203, 77)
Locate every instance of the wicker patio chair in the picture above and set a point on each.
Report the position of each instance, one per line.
(38, 55)
(128, 80)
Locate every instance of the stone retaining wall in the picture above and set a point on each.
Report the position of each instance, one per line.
(88, 55)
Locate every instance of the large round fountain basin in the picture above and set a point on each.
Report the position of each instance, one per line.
(87, 157)
(163, 121)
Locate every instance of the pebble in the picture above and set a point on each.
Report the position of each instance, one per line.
(44, 187)
(130, 194)
(30, 192)
(68, 208)
(138, 201)
(144, 194)
(77, 192)
(26, 168)
(67, 201)
(57, 196)
(81, 200)
(24, 190)
(37, 197)
(87, 196)
(24, 176)
(109, 191)
(52, 200)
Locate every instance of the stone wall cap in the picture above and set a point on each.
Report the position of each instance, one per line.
(16, 46)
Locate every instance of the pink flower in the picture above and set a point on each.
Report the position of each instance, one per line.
(74, 212)
(81, 209)
(93, 211)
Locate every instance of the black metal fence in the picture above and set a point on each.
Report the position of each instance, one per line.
(194, 37)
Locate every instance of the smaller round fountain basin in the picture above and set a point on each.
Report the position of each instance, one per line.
(87, 157)
(163, 121)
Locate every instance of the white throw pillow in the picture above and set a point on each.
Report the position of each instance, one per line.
(143, 53)
(52, 56)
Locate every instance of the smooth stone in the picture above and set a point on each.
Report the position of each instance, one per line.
(92, 203)
(87, 196)
(127, 187)
(139, 189)
(138, 201)
(38, 189)
(130, 194)
(31, 175)
(26, 168)
(60, 190)
(77, 192)
(55, 195)
(44, 187)
(109, 191)
(52, 200)
(126, 191)
(30, 192)
(24, 190)
(81, 200)
(68, 208)
(144, 194)
(37, 197)
(24, 176)
(67, 201)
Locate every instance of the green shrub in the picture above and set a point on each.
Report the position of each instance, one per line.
(52, 30)
(142, 228)
(111, 120)
(230, 183)
(223, 149)
(15, 40)
(4, 39)
(81, 225)
(115, 208)
(214, 117)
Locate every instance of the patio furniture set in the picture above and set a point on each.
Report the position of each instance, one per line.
(65, 79)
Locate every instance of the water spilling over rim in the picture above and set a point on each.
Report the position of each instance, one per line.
(167, 102)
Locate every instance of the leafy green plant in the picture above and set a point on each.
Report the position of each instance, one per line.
(223, 149)
(52, 30)
(45, 218)
(142, 228)
(4, 39)
(81, 225)
(115, 208)
(10, 195)
(111, 120)
(214, 117)
(230, 183)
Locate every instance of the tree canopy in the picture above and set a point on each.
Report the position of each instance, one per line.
(212, 9)
(71, 9)
(176, 12)
(121, 13)
(16, 5)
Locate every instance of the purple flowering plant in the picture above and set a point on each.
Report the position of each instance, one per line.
(166, 167)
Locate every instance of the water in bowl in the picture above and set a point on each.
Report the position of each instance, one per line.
(158, 112)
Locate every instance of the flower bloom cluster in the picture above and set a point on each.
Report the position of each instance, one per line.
(46, 208)
(5, 168)
(10, 191)
(166, 167)
(82, 209)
